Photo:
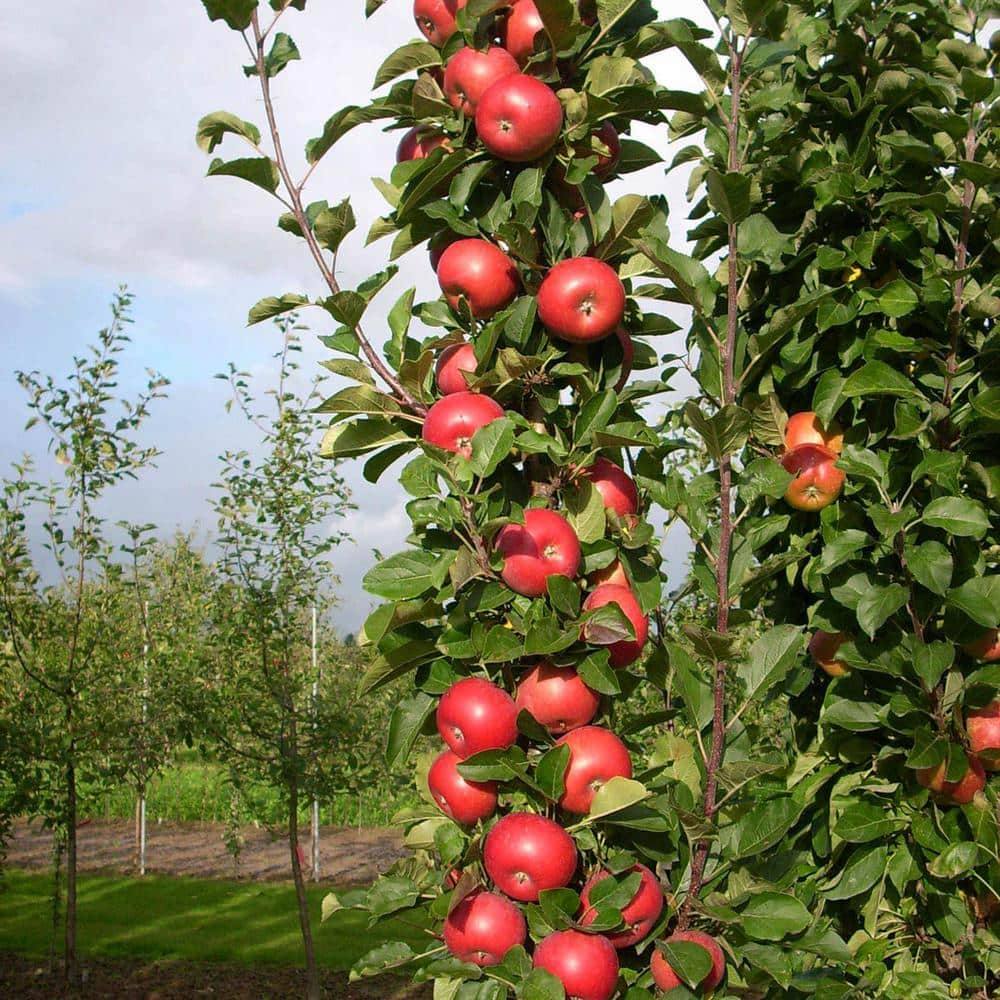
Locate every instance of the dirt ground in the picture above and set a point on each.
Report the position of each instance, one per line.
(31, 979)
(350, 856)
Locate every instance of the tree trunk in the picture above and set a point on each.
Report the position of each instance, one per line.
(313, 988)
(72, 969)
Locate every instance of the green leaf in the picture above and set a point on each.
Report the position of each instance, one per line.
(490, 446)
(382, 958)
(270, 307)
(690, 277)
(214, 127)
(236, 13)
(896, 299)
(979, 598)
(931, 660)
(864, 868)
(876, 378)
(772, 916)
(404, 575)
(594, 416)
(769, 659)
(861, 823)
(689, 961)
(585, 510)
(406, 59)
(357, 437)
(724, 433)
(259, 170)
(596, 672)
(540, 984)
(856, 716)
(957, 859)
(729, 194)
(333, 224)
(931, 565)
(407, 720)
(958, 516)
(878, 605)
(283, 51)
(551, 771)
(615, 795)
(340, 124)
(758, 239)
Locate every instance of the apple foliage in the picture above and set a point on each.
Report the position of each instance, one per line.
(843, 172)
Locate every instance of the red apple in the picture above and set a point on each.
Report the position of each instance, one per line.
(581, 300)
(470, 73)
(483, 928)
(986, 647)
(436, 19)
(519, 118)
(823, 648)
(805, 428)
(481, 273)
(451, 421)
(639, 915)
(983, 727)
(817, 481)
(545, 545)
(586, 964)
(451, 363)
(625, 651)
(617, 490)
(464, 801)
(955, 793)
(419, 143)
(525, 853)
(596, 756)
(556, 697)
(475, 715)
(523, 24)
(667, 979)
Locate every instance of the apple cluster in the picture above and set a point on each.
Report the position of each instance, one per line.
(521, 847)
(810, 455)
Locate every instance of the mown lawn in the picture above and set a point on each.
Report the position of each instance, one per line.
(190, 919)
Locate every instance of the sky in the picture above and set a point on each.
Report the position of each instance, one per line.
(102, 184)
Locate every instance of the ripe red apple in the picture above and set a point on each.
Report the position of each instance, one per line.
(483, 928)
(596, 756)
(481, 273)
(817, 481)
(639, 915)
(451, 362)
(451, 421)
(614, 574)
(581, 300)
(436, 19)
(667, 979)
(955, 793)
(625, 651)
(523, 24)
(556, 697)
(475, 715)
(419, 143)
(470, 73)
(545, 545)
(986, 647)
(525, 853)
(586, 964)
(519, 118)
(464, 801)
(805, 428)
(617, 490)
(823, 648)
(983, 727)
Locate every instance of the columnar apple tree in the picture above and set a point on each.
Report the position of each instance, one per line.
(768, 828)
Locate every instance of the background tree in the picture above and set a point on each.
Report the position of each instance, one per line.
(60, 633)
(275, 539)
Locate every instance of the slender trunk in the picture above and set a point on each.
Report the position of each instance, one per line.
(313, 989)
(72, 965)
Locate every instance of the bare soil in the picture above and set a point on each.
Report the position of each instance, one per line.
(349, 856)
(31, 979)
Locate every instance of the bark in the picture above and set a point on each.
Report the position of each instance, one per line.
(313, 988)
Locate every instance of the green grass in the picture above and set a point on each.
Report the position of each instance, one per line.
(193, 790)
(189, 919)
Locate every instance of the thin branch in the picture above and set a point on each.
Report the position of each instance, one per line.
(295, 197)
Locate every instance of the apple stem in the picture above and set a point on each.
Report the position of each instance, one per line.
(295, 199)
(726, 527)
